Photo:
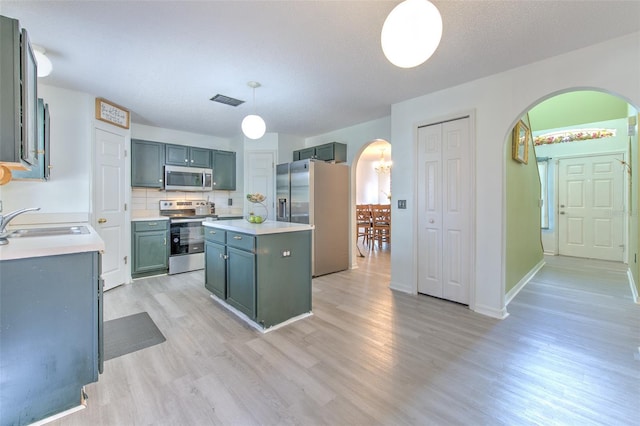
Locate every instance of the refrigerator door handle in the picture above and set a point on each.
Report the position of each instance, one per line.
(282, 208)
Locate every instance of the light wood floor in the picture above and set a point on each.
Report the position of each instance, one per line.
(567, 354)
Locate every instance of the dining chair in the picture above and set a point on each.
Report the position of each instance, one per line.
(364, 226)
(381, 223)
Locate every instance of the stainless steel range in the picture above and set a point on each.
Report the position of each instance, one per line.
(187, 232)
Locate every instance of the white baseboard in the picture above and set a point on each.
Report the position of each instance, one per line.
(632, 284)
(491, 312)
(515, 290)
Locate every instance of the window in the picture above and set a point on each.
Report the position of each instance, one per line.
(543, 170)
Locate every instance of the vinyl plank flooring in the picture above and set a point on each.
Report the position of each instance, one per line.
(567, 354)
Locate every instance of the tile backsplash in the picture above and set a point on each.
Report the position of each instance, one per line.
(145, 201)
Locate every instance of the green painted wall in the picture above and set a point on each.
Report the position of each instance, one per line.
(523, 245)
(570, 109)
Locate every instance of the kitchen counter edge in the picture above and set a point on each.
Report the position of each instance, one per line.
(265, 228)
(24, 248)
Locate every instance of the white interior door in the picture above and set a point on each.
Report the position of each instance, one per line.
(110, 218)
(591, 207)
(260, 177)
(444, 210)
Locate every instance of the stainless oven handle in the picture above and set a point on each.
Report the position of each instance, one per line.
(186, 220)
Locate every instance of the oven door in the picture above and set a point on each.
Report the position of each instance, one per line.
(187, 236)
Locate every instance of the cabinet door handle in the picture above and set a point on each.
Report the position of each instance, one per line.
(237, 237)
(165, 241)
(212, 232)
(102, 220)
(153, 223)
(223, 256)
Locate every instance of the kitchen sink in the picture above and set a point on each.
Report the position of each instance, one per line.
(49, 232)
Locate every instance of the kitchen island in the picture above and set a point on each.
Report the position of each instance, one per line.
(50, 321)
(261, 272)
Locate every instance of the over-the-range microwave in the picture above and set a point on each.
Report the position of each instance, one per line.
(179, 178)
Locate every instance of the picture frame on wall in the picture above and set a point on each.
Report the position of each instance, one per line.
(111, 113)
(520, 142)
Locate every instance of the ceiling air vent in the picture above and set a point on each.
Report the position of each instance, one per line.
(227, 100)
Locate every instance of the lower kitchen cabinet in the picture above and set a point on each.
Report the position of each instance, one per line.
(215, 279)
(50, 341)
(265, 276)
(150, 248)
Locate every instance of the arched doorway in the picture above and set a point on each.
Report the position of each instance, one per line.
(372, 177)
(579, 132)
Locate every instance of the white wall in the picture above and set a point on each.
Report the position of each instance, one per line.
(498, 101)
(69, 189)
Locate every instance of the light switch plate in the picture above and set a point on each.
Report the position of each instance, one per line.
(402, 204)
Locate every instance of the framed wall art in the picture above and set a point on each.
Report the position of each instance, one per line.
(111, 113)
(520, 141)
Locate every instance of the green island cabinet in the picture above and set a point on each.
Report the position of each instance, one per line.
(332, 151)
(51, 339)
(188, 156)
(150, 248)
(264, 272)
(224, 170)
(147, 164)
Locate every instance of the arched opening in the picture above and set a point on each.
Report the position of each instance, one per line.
(372, 188)
(577, 195)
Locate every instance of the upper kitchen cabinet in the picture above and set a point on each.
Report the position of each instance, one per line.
(224, 170)
(147, 163)
(180, 155)
(332, 151)
(18, 98)
(43, 169)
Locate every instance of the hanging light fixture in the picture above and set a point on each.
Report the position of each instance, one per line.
(253, 125)
(382, 166)
(411, 33)
(44, 64)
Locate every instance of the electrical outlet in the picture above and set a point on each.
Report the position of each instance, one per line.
(230, 201)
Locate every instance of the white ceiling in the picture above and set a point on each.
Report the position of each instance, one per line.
(319, 62)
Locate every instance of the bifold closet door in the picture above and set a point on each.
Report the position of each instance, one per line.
(444, 210)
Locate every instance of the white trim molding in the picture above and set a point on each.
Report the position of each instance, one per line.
(515, 290)
(634, 289)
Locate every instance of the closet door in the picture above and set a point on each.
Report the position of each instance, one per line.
(444, 210)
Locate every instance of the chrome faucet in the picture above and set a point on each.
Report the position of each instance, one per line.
(4, 221)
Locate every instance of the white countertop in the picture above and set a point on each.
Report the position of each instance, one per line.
(268, 227)
(25, 247)
(149, 218)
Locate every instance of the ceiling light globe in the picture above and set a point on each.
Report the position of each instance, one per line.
(411, 33)
(44, 64)
(253, 126)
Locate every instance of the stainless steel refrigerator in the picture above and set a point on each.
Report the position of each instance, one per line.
(317, 193)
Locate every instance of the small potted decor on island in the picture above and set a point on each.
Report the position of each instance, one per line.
(259, 213)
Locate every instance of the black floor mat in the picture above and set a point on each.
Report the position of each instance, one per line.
(129, 334)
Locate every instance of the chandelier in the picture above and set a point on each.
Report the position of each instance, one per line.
(382, 166)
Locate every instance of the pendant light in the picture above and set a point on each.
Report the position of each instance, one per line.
(44, 64)
(253, 125)
(411, 33)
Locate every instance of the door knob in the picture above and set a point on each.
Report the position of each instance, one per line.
(431, 220)
(102, 220)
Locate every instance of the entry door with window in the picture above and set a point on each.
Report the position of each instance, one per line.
(591, 207)
(445, 210)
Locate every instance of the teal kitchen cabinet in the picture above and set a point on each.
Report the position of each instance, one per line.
(332, 151)
(224, 170)
(51, 339)
(215, 253)
(147, 164)
(241, 273)
(150, 249)
(268, 269)
(43, 168)
(188, 156)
